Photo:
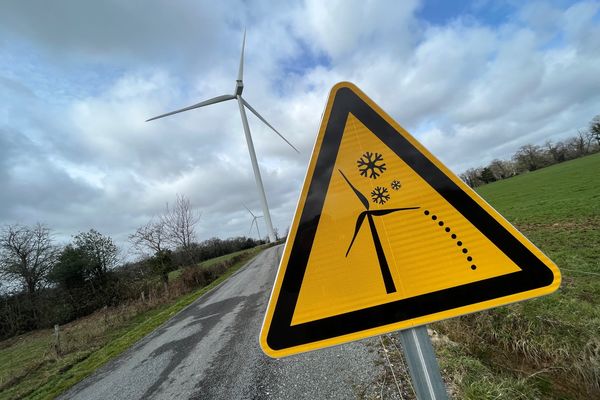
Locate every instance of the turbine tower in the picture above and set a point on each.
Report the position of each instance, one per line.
(254, 221)
(243, 104)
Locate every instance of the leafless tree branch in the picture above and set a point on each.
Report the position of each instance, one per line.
(180, 222)
(150, 237)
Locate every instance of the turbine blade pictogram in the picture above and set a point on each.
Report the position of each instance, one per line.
(386, 274)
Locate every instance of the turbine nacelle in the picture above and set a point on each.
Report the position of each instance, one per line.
(239, 88)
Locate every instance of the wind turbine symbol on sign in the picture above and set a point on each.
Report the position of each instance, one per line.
(388, 281)
(243, 104)
(254, 221)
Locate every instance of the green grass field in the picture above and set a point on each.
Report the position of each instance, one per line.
(30, 368)
(547, 348)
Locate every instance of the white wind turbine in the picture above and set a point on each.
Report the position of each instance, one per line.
(254, 221)
(239, 87)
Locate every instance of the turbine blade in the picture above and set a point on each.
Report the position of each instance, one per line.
(241, 69)
(268, 124)
(249, 211)
(391, 210)
(214, 100)
(251, 226)
(360, 196)
(359, 221)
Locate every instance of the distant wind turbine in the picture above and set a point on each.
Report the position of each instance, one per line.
(239, 87)
(254, 221)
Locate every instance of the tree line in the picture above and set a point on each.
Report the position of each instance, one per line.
(46, 283)
(533, 157)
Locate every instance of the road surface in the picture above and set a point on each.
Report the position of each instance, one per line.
(210, 350)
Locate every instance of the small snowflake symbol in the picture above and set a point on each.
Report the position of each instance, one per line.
(395, 184)
(371, 165)
(380, 195)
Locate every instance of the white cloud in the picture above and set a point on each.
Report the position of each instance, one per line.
(340, 28)
(81, 155)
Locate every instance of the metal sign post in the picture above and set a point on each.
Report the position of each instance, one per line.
(422, 364)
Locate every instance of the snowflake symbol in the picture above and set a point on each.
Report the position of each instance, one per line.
(380, 195)
(395, 184)
(371, 165)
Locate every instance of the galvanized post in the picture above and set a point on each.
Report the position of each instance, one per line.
(422, 364)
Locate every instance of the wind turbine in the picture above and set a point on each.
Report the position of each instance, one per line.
(243, 104)
(254, 221)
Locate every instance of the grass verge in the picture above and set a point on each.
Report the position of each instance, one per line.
(30, 368)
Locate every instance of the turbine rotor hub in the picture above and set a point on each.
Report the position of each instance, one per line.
(239, 87)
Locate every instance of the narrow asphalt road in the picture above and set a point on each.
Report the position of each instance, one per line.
(210, 351)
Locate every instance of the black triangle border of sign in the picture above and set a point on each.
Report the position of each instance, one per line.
(534, 273)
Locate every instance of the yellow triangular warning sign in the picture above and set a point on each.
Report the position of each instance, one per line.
(385, 237)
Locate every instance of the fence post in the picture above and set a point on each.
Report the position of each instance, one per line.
(57, 340)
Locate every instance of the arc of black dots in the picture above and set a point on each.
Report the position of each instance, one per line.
(453, 236)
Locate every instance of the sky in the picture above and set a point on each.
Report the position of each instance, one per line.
(472, 81)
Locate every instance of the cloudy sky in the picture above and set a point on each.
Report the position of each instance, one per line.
(472, 81)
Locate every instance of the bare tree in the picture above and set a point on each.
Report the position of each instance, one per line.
(580, 144)
(529, 158)
(557, 151)
(502, 169)
(471, 177)
(150, 237)
(180, 222)
(27, 255)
